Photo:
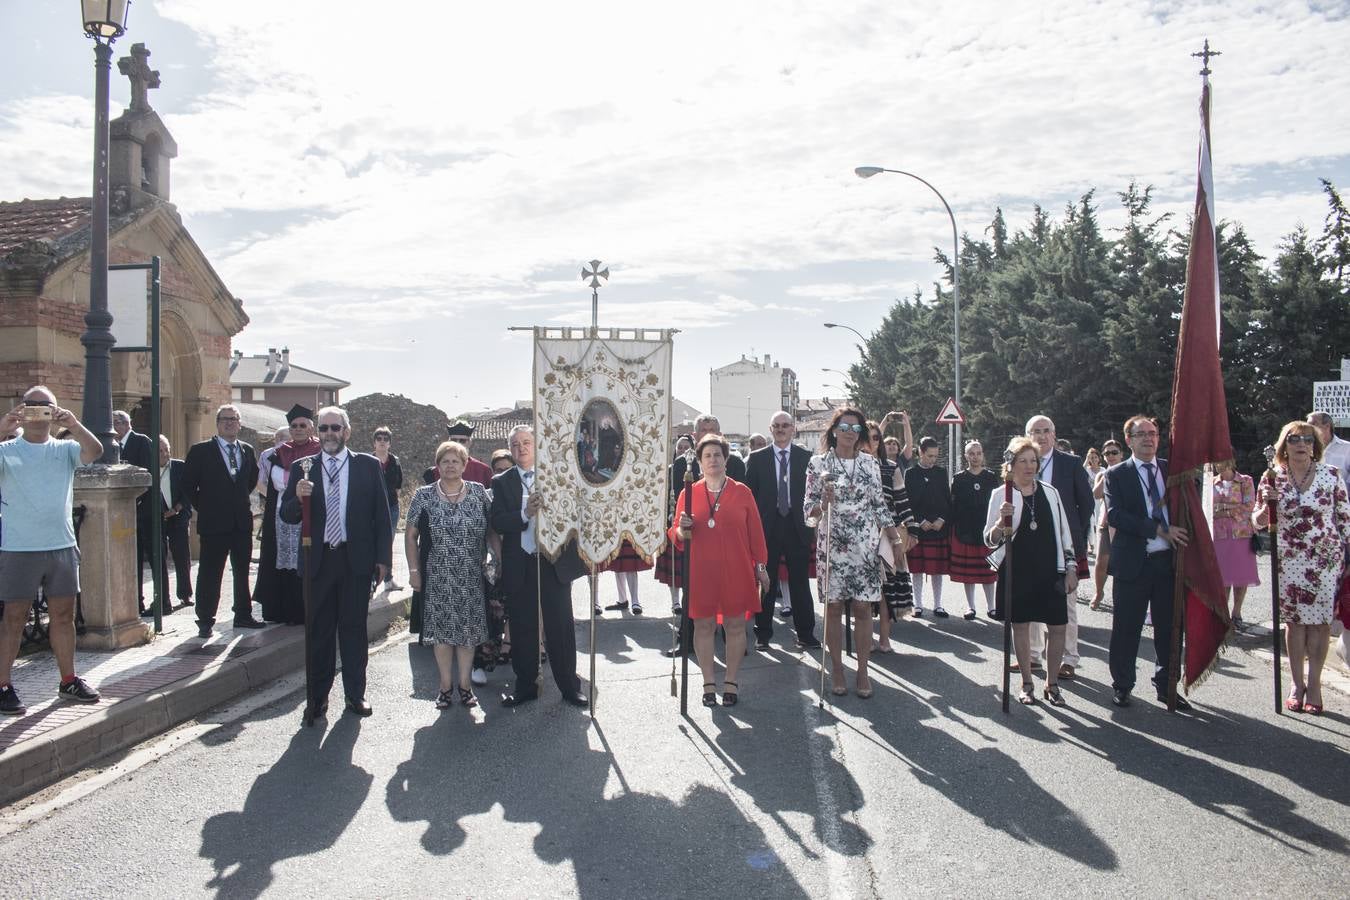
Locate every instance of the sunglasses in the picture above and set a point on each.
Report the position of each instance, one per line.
(336, 429)
(856, 429)
(382, 438)
(1300, 439)
(1111, 452)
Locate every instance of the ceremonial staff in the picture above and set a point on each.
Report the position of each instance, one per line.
(1274, 576)
(1005, 572)
(829, 479)
(684, 642)
(307, 593)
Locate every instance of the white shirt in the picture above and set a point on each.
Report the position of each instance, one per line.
(527, 541)
(221, 443)
(164, 486)
(1337, 453)
(1045, 469)
(343, 460)
(1155, 543)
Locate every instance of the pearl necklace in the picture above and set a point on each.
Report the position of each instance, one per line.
(449, 498)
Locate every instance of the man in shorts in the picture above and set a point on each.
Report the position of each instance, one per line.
(37, 548)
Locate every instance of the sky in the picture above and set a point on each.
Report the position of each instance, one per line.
(387, 188)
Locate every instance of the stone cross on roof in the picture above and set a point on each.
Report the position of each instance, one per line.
(141, 75)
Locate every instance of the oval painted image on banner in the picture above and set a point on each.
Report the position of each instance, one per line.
(600, 442)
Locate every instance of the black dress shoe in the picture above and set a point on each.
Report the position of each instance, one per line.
(510, 700)
(761, 645)
(577, 699)
(147, 613)
(203, 631)
(1120, 698)
(359, 707)
(1182, 704)
(313, 714)
(812, 644)
(249, 623)
(187, 601)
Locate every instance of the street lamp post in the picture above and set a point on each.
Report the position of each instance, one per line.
(847, 380)
(104, 21)
(868, 172)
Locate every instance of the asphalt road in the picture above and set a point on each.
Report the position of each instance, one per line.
(925, 789)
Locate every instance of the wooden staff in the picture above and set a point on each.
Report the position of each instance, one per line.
(687, 495)
(1274, 578)
(307, 593)
(1005, 573)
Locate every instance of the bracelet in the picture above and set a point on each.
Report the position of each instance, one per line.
(413, 571)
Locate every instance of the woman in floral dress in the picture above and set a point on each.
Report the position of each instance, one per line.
(1312, 520)
(858, 511)
(451, 517)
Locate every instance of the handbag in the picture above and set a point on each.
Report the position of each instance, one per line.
(1255, 542)
(886, 552)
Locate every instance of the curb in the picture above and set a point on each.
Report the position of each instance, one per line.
(65, 751)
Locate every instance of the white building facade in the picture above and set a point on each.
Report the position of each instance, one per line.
(746, 394)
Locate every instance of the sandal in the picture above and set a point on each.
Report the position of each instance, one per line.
(1096, 603)
(443, 700)
(839, 690)
(1028, 695)
(1294, 703)
(729, 698)
(710, 697)
(863, 692)
(467, 698)
(504, 652)
(1054, 696)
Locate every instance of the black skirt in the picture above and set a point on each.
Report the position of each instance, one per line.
(1037, 584)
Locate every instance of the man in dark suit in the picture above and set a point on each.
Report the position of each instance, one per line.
(137, 450)
(219, 474)
(1066, 474)
(776, 475)
(177, 513)
(535, 587)
(1142, 559)
(350, 544)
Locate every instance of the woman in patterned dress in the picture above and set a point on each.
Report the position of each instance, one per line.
(897, 592)
(1234, 502)
(1312, 527)
(846, 483)
(454, 615)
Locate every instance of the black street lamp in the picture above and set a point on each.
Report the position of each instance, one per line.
(104, 21)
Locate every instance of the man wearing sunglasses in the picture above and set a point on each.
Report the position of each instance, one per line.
(1143, 552)
(351, 542)
(219, 475)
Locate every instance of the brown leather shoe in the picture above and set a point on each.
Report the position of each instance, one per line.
(1066, 672)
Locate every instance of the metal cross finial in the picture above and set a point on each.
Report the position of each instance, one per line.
(595, 273)
(137, 68)
(1204, 56)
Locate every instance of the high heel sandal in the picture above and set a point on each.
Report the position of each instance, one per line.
(729, 698)
(863, 692)
(1294, 702)
(1028, 695)
(1054, 696)
(710, 696)
(443, 700)
(467, 698)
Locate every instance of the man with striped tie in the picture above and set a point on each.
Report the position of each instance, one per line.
(1142, 559)
(350, 540)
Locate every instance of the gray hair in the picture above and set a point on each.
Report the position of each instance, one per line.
(121, 415)
(1027, 429)
(517, 430)
(228, 406)
(1320, 417)
(705, 419)
(334, 411)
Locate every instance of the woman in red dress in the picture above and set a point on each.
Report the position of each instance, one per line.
(727, 563)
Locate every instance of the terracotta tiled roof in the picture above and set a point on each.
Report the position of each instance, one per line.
(27, 220)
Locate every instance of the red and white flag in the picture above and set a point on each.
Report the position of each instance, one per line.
(1199, 432)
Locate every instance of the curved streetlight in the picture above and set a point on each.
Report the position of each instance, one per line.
(868, 172)
(850, 328)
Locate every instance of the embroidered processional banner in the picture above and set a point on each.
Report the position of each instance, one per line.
(602, 413)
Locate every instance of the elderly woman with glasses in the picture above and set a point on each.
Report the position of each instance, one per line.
(1312, 526)
(393, 481)
(1112, 453)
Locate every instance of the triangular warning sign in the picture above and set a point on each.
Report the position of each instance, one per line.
(951, 414)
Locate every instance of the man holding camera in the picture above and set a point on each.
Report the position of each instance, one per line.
(38, 548)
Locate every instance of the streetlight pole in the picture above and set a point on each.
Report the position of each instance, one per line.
(868, 172)
(104, 21)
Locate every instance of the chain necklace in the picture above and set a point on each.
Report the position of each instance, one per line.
(714, 503)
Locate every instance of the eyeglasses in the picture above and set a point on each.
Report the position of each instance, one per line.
(856, 429)
(1042, 431)
(382, 438)
(334, 428)
(1151, 434)
(1300, 439)
(227, 418)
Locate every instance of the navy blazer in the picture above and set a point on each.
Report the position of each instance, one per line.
(761, 476)
(369, 531)
(1127, 513)
(504, 517)
(222, 503)
(1068, 476)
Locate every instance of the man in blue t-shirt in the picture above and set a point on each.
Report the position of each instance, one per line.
(38, 548)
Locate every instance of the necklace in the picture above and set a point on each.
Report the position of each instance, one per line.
(1301, 484)
(456, 496)
(1030, 503)
(714, 503)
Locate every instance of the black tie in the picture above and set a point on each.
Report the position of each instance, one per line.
(234, 462)
(783, 501)
(1154, 497)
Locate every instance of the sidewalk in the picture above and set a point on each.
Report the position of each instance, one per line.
(149, 689)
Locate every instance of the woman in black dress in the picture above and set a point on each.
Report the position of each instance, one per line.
(1039, 549)
(971, 491)
(930, 498)
(897, 592)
